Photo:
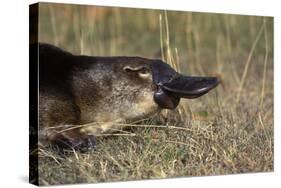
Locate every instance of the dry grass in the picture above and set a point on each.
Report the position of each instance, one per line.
(229, 130)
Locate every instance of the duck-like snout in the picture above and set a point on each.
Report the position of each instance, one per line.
(171, 86)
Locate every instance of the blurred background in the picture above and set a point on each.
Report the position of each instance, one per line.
(230, 129)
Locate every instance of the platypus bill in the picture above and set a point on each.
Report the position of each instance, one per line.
(82, 96)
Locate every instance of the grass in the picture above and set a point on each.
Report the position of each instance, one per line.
(229, 130)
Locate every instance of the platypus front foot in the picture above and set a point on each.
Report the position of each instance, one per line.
(82, 144)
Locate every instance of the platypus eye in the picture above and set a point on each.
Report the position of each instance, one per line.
(142, 71)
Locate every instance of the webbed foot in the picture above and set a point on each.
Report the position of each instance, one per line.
(82, 144)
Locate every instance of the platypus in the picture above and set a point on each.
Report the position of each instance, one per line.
(82, 96)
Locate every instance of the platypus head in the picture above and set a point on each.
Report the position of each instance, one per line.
(172, 86)
(131, 88)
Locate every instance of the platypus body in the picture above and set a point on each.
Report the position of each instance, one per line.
(82, 96)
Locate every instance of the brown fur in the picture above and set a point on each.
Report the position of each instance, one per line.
(78, 90)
